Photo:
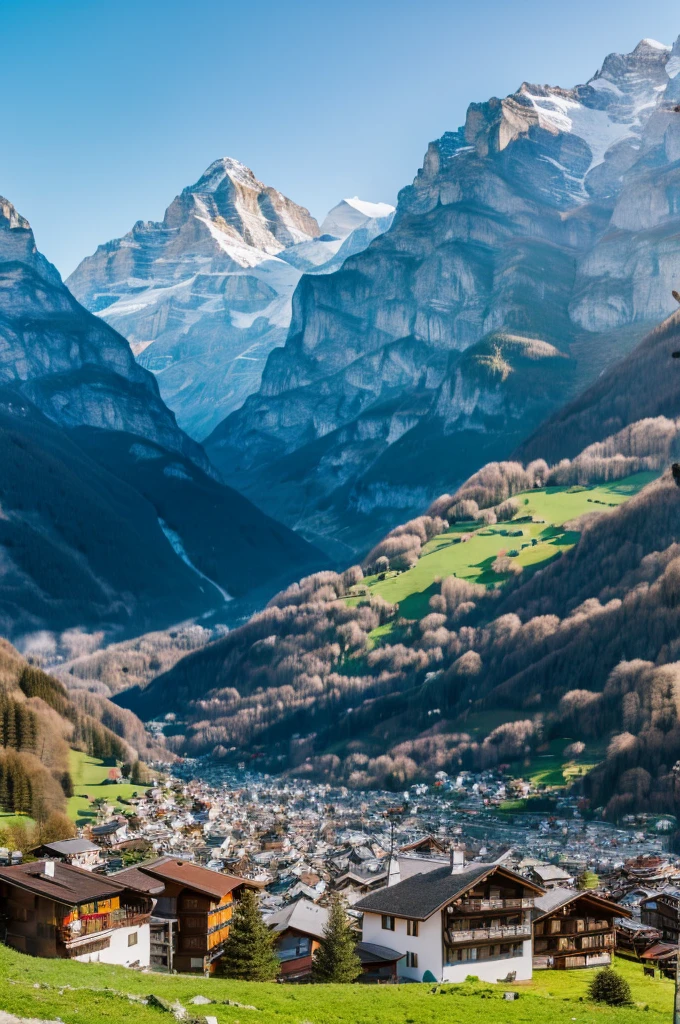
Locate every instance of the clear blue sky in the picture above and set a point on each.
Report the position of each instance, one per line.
(110, 107)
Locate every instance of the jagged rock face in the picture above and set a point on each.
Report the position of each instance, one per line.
(110, 516)
(205, 295)
(74, 368)
(535, 247)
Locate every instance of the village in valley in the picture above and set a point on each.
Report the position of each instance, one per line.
(438, 883)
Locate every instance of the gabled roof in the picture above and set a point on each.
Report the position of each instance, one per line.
(559, 897)
(303, 916)
(210, 883)
(138, 879)
(68, 846)
(420, 896)
(70, 885)
(424, 841)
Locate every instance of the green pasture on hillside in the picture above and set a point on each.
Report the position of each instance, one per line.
(471, 559)
(90, 782)
(8, 818)
(98, 994)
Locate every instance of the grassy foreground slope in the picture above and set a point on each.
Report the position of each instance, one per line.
(96, 994)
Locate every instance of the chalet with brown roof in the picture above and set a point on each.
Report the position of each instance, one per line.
(53, 909)
(192, 913)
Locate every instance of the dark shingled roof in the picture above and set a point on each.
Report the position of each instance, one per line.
(70, 885)
(370, 953)
(419, 896)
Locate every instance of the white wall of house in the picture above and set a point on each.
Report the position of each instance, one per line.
(427, 943)
(493, 970)
(120, 952)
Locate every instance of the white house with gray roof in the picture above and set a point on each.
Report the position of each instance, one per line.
(455, 921)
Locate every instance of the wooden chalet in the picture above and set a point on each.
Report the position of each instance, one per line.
(196, 906)
(455, 920)
(54, 909)
(574, 929)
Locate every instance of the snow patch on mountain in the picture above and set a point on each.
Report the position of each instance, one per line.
(178, 547)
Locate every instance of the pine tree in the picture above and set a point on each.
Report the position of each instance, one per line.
(249, 950)
(609, 987)
(336, 958)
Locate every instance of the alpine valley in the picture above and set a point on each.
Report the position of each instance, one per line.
(463, 414)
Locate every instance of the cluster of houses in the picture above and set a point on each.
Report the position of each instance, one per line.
(157, 889)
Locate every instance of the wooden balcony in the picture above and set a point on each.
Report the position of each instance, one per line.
(102, 925)
(516, 931)
(521, 903)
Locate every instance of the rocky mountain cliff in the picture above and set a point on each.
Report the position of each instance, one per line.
(110, 516)
(536, 246)
(205, 295)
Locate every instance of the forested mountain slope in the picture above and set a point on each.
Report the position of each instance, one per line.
(536, 246)
(532, 605)
(39, 723)
(642, 385)
(111, 517)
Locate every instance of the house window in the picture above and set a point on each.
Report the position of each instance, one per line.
(197, 962)
(190, 904)
(193, 942)
(387, 923)
(412, 928)
(133, 938)
(411, 959)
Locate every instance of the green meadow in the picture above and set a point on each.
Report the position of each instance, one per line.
(537, 534)
(96, 994)
(91, 782)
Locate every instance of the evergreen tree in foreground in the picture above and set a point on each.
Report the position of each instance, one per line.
(336, 958)
(609, 987)
(249, 951)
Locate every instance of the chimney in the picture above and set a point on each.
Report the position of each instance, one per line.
(457, 858)
(393, 872)
(49, 869)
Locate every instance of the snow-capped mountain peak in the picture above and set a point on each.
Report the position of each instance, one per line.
(351, 214)
(205, 295)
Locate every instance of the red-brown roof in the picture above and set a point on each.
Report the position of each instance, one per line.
(193, 876)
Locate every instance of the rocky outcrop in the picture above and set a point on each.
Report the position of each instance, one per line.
(69, 364)
(205, 295)
(535, 247)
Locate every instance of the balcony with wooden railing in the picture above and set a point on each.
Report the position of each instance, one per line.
(84, 928)
(558, 945)
(476, 905)
(500, 933)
